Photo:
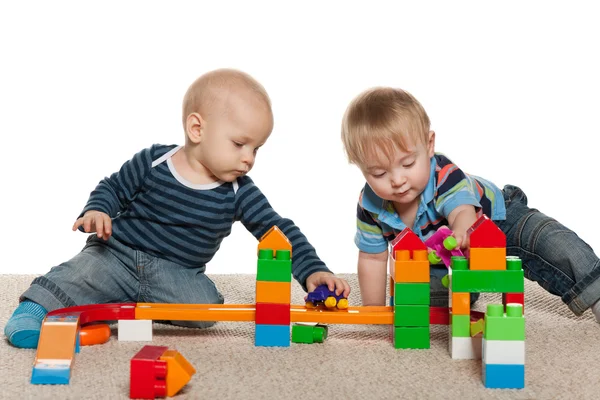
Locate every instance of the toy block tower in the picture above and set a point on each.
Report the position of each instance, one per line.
(273, 289)
(409, 288)
(503, 359)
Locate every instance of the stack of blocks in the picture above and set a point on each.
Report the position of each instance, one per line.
(273, 290)
(409, 289)
(489, 270)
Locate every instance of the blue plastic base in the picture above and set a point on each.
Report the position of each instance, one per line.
(45, 374)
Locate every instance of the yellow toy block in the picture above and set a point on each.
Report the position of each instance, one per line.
(461, 304)
(179, 371)
(273, 292)
(487, 258)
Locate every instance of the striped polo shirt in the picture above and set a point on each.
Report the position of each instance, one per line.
(155, 210)
(378, 222)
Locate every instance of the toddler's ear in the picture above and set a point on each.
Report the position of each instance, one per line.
(431, 144)
(194, 125)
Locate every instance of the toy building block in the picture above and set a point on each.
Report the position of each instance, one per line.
(137, 330)
(466, 280)
(443, 245)
(412, 293)
(460, 303)
(275, 239)
(501, 326)
(503, 351)
(460, 325)
(278, 269)
(56, 350)
(503, 376)
(415, 270)
(518, 298)
(272, 335)
(465, 348)
(272, 314)
(273, 292)
(485, 233)
(92, 334)
(407, 240)
(309, 333)
(156, 371)
(411, 337)
(411, 315)
(487, 258)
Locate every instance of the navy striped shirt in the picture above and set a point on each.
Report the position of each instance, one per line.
(155, 210)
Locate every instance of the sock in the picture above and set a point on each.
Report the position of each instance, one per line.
(23, 327)
(596, 310)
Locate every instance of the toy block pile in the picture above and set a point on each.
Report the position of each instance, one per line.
(503, 354)
(409, 289)
(157, 371)
(273, 289)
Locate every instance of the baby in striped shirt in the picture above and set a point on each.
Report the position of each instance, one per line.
(386, 133)
(161, 218)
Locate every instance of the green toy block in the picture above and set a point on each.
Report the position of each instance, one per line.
(413, 315)
(411, 293)
(461, 325)
(309, 333)
(411, 337)
(500, 326)
(495, 281)
(274, 270)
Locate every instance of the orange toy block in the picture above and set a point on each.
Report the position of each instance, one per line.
(273, 292)
(412, 270)
(274, 239)
(490, 258)
(179, 371)
(461, 303)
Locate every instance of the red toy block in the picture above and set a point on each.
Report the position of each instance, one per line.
(407, 240)
(148, 373)
(272, 314)
(513, 298)
(485, 233)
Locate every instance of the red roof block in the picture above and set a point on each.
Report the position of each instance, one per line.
(485, 233)
(407, 240)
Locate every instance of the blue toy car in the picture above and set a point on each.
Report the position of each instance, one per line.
(328, 298)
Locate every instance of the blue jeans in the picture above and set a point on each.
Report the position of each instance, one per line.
(553, 255)
(110, 272)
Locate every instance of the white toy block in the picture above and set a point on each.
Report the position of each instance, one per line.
(503, 351)
(466, 348)
(135, 330)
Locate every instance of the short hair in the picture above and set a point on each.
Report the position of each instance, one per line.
(382, 119)
(208, 89)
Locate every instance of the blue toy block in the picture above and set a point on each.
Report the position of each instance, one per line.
(503, 376)
(272, 335)
(47, 374)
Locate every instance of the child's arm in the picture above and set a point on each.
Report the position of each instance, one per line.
(372, 277)
(257, 215)
(460, 220)
(113, 194)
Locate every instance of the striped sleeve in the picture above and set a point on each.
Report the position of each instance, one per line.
(454, 188)
(257, 215)
(369, 235)
(114, 193)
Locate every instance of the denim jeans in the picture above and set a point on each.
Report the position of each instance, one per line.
(110, 272)
(552, 255)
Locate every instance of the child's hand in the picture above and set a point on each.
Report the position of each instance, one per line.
(332, 282)
(95, 221)
(462, 240)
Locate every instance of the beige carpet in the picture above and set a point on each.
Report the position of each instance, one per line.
(355, 362)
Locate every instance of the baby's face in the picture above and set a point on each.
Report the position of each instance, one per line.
(232, 137)
(404, 178)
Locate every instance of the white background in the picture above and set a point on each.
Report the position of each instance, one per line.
(511, 88)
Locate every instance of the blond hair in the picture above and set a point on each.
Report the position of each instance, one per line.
(382, 119)
(214, 86)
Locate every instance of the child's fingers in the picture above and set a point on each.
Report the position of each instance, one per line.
(99, 226)
(107, 226)
(77, 223)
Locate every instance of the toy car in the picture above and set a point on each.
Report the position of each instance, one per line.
(328, 298)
